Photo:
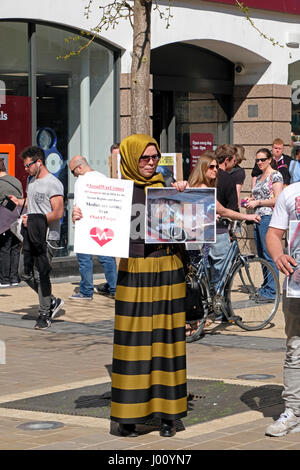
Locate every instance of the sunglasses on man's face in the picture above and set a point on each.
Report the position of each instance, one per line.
(29, 164)
(146, 159)
(261, 159)
(212, 167)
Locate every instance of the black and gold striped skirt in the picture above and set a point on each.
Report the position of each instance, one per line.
(149, 356)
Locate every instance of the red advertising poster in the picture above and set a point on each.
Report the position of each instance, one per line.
(15, 128)
(199, 143)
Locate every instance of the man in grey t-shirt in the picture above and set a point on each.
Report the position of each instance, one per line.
(44, 196)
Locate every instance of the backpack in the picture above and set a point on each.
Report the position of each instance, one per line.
(294, 170)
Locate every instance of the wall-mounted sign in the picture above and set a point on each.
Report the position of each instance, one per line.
(15, 128)
(199, 143)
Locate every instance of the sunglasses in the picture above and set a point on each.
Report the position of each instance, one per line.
(261, 159)
(145, 159)
(212, 167)
(29, 164)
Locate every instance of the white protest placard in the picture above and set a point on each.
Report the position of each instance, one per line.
(105, 204)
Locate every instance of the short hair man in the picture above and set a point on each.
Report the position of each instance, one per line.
(45, 196)
(227, 196)
(287, 208)
(281, 163)
(226, 156)
(80, 167)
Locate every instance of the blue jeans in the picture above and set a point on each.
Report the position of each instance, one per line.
(86, 272)
(217, 255)
(267, 288)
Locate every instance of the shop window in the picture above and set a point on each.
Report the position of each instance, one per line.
(74, 103)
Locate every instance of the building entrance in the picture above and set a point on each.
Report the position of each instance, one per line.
(192, 100)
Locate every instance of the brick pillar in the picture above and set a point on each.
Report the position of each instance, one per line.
(262, 113)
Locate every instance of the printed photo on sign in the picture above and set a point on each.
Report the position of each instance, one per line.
(293, 281)
(105, 204)
(167, 167)
(180, 216)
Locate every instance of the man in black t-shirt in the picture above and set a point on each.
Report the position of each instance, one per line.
(281, 163)
(227, 196)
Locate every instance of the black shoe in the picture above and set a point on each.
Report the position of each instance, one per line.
(42, 323)
(167, 428)
(127, 430)
(102, 289)
(56, 305)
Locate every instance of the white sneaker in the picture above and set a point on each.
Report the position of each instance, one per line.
(287, 422)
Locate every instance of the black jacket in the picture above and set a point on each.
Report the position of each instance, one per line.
(226, 195)
(35, 244)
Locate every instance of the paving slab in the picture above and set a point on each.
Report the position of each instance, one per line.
(75, 353)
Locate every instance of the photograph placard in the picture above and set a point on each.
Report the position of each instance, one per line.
(180, 216)
(293, 281)
(106, 208)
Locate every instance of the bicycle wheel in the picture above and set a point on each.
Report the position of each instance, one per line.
(195, 330)
(244, 294)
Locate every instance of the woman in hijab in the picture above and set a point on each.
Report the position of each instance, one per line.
(149, 355)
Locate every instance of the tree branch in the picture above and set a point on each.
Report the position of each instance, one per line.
(245, 10)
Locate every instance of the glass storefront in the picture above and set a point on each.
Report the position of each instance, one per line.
(75, 103)
(201, 124)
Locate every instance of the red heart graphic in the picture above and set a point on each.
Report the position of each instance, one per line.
(101, 236)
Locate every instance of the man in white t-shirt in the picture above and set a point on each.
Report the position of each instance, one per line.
(79, 168)
(287, 208)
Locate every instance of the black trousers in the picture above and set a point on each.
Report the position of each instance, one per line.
(9, 258)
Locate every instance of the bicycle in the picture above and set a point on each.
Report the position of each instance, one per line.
(240, 231)
(237, 292)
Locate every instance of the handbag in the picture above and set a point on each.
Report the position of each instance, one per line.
(193, 300)
(193, 294)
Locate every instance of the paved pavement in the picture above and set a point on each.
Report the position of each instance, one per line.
(76, 352)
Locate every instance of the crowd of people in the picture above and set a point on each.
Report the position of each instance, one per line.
(149, 352)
